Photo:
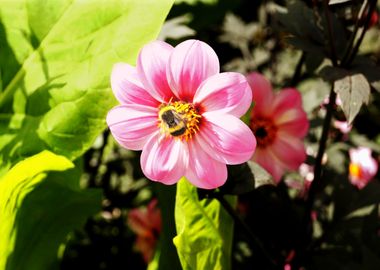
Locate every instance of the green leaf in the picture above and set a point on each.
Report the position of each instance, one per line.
(314, 91)
(313, 61)
(38, 210)
(176, 28)
(353, 90)
(298, 19)
(362, 140)
(336, 156)
(204, 230)
(309, 28)
(331, 74)
(244, 178)
(333, 2)
(369, 69)
(196, 2)
(369, 195)
(56, 60)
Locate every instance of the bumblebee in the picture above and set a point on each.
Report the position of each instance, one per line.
(174, 121)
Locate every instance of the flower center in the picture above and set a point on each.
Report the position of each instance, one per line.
(355, 170)
(179, 119)
(264, 130)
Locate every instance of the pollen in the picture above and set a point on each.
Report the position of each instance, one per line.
(355, 170)
(179, 119)
(264, 130)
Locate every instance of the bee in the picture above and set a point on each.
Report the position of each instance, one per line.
(176, 124)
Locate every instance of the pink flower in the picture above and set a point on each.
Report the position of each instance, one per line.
(363, 167)
(279, 124)
(342, 126)
(146, 223)
(182, 113)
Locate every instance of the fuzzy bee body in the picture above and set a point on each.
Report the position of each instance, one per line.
(175, 123)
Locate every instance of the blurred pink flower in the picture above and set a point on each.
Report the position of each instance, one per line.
(279, 124)
(146, 223)
(342, 126)
(182, 113)
(302, 186)
(363, 167)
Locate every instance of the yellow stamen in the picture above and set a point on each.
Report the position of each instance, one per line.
(355, 170)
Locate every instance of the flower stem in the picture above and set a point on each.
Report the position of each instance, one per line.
(257, 245)
(354, 51)
(333, 55)
(316, 184)
(350, 45)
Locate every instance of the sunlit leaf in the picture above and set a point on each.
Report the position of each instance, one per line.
(204, 230)
(314, 91)
(353, 90)
(236, 32)
(56, 59)
(38, 210)
(176, 28)
(333, 2)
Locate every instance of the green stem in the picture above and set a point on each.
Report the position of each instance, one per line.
(316, 184)
(350, 44)
(355, 50)
(333, 55)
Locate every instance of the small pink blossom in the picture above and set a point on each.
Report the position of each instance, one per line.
(342, 126)
(279, 124)
(182, 113)
(302, 186)
(146, 223)
(363, 167)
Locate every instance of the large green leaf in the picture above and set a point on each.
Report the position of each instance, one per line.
(56, 58)
(204, 230)
(38, 210)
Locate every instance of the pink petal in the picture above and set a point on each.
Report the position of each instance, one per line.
(226, 92)
(293, 122)
(127, 87)
(362, 157)
(164, 159)
(151, 67)
(285, 100)
(226, 138)
(290, 150)
(266, 159)
(262, 93)
(146, 245)
(191, 62)
(139, 222)
(132, 125)
(209, 176)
